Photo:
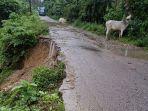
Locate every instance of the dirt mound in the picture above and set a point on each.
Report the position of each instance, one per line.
(37, 56)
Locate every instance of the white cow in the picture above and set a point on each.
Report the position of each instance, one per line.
(62, 20)
(117, 25)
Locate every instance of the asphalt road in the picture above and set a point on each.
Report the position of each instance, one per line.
(97, 79)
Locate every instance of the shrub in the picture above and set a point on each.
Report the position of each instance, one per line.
(93, 27)
(51, 101)
(55, 8)
(45, 77)
(138, 27)
(17, 35)
(26, 97)
(142, 42)
(21, 96)
(93, 10)
(86, 10)
(9, 6)
(115, 12)
(4, 74)
(71, 12)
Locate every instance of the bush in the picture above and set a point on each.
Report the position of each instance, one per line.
(138, 27)
(17, 35)
(142, 42)
(26, 97)
(93, 10)
(71, 12)
(93, 27)
(9, 6)
(55, 8)
(4, 74)
(85, 10)
(45, 77)
(115, 12)
(21, 97)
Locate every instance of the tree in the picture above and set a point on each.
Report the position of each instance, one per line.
(7, 7)
(30, 6)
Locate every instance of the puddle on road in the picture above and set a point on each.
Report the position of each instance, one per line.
(128, 51)
(116, 47)
(134, 53)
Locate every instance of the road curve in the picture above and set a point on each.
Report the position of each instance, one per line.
(97, 79)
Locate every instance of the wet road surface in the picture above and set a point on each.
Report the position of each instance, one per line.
(97, 79)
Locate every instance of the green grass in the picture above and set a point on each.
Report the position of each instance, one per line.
(100, 30)
(127, 40)
(33, 96)
(46, 78)
(4, 74)
(137, 42)
(93, 27)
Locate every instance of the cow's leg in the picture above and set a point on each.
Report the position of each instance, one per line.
(107, 32)
(121, 33)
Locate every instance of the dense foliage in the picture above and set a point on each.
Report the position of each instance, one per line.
(139, 24)
(48, 78)
(98, 11)
(115, 12)
(26, 97)
(138, 28)
(9, 6)
(93, 27)
(38, 95)
(85, 10)
(17, 35)
(19, 32)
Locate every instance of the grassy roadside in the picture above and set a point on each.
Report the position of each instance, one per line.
(100, 30)
(4, 74)
(41, 94)
(19, 31)
(18, 34)
(93, 27)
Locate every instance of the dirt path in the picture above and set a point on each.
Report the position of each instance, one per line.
(97, 79)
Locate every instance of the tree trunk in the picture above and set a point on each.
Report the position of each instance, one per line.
(30, 6)
(127, 10)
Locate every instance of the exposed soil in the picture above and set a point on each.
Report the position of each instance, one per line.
(37, 56)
